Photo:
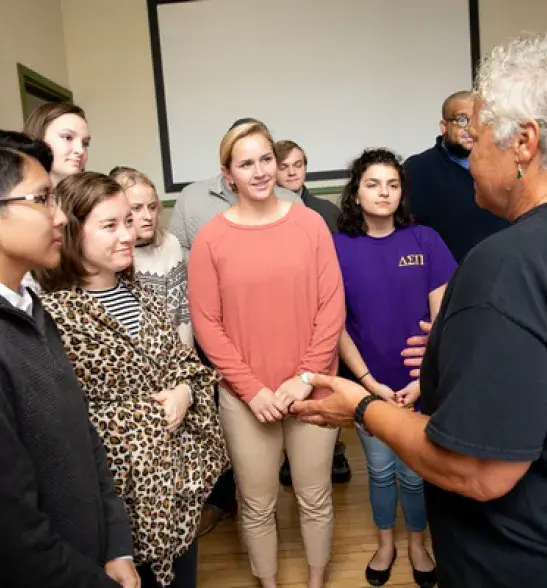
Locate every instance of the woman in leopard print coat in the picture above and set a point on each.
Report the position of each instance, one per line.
(164, 470)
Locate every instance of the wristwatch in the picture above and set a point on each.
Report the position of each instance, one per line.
(359, 414)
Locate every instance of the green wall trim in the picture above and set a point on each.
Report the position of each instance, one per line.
(31, 82)
(326, 190)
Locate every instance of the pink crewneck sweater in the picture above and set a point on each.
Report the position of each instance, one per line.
(267, 302)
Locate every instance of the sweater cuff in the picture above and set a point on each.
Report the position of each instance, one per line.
(120, 543)
(251, 392)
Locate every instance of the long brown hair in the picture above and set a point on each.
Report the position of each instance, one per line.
(42, 116)
(77, 196)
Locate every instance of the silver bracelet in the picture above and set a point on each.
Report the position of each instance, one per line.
(190, 393)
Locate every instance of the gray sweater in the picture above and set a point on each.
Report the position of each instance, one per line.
(200, 202)
(60, 517)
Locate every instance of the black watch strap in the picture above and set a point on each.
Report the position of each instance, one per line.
(359, 414)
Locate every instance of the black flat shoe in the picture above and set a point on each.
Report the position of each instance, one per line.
(379, 577)
(424, 579)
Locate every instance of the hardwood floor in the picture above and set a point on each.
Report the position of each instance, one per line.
(223, 563)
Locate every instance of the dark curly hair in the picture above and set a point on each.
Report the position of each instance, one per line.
(352, 220)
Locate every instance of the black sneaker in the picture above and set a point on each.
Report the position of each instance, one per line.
(341, 472)
(285, 473)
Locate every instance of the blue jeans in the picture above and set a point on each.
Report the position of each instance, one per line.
(385, 469)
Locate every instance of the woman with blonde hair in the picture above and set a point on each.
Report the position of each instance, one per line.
(157, 257)
(149, 396)
(267, 306)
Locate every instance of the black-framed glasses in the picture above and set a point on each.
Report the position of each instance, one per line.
(48, 201)
(462, 121)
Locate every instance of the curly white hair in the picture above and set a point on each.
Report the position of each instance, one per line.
(512, 84)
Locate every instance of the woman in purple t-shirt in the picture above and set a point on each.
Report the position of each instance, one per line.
(395, 274)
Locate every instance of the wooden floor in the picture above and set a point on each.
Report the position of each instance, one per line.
(223, 562)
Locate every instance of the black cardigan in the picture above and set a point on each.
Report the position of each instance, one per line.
(327, 209)
(60, 518)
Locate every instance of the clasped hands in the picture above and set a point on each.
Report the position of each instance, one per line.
(175, 404)
(269, 406)
(404, 398)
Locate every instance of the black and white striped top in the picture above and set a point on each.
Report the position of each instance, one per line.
(122, 306)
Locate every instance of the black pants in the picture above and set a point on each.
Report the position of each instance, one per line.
(185, 569)
(223, 495)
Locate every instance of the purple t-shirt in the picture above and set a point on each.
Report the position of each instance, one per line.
(387, 282)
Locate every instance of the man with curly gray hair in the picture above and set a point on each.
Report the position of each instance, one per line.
(481, 444)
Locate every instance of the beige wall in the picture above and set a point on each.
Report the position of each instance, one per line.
(104, 58)
(502, 19)
(113, 79)
(110, 67)
(31, 33)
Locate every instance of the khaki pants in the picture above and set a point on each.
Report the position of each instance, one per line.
(256, 451)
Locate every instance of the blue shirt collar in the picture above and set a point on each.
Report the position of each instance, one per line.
(461, 161)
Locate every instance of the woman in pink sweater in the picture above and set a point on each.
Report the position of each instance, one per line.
(267, 304)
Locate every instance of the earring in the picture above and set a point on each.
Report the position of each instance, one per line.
(519, 171)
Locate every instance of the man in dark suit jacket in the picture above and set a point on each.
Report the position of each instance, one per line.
(62, 524)
(292, 164)
(440, 187)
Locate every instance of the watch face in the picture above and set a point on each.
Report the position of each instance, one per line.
(305, 377)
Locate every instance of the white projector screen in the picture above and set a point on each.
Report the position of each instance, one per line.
(335, 76)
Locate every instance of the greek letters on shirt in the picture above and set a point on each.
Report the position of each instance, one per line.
(413, 259)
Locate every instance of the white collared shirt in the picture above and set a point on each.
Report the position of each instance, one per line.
(21, 299)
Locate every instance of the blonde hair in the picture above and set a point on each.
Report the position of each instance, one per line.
(240, 132)
(128, 177)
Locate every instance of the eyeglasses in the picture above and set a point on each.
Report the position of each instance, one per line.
(48, 201)
(462, 121)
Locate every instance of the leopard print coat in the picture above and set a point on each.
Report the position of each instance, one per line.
(164, 478)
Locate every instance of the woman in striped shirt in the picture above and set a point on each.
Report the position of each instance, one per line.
(159, 262)
(149, 396)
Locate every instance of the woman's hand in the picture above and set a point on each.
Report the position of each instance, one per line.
(408, 395)
(175, 404)
(264, 406)
(291, 390)
(386, 393)
(373, 386)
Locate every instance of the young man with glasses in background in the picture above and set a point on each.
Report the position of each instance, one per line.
(440, 187)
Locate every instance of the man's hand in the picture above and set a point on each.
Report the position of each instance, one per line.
(414, 353)
(264, 407)
(408, 395)
(124, 572)
(291, 390)
(335, 410)
(175, 404)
